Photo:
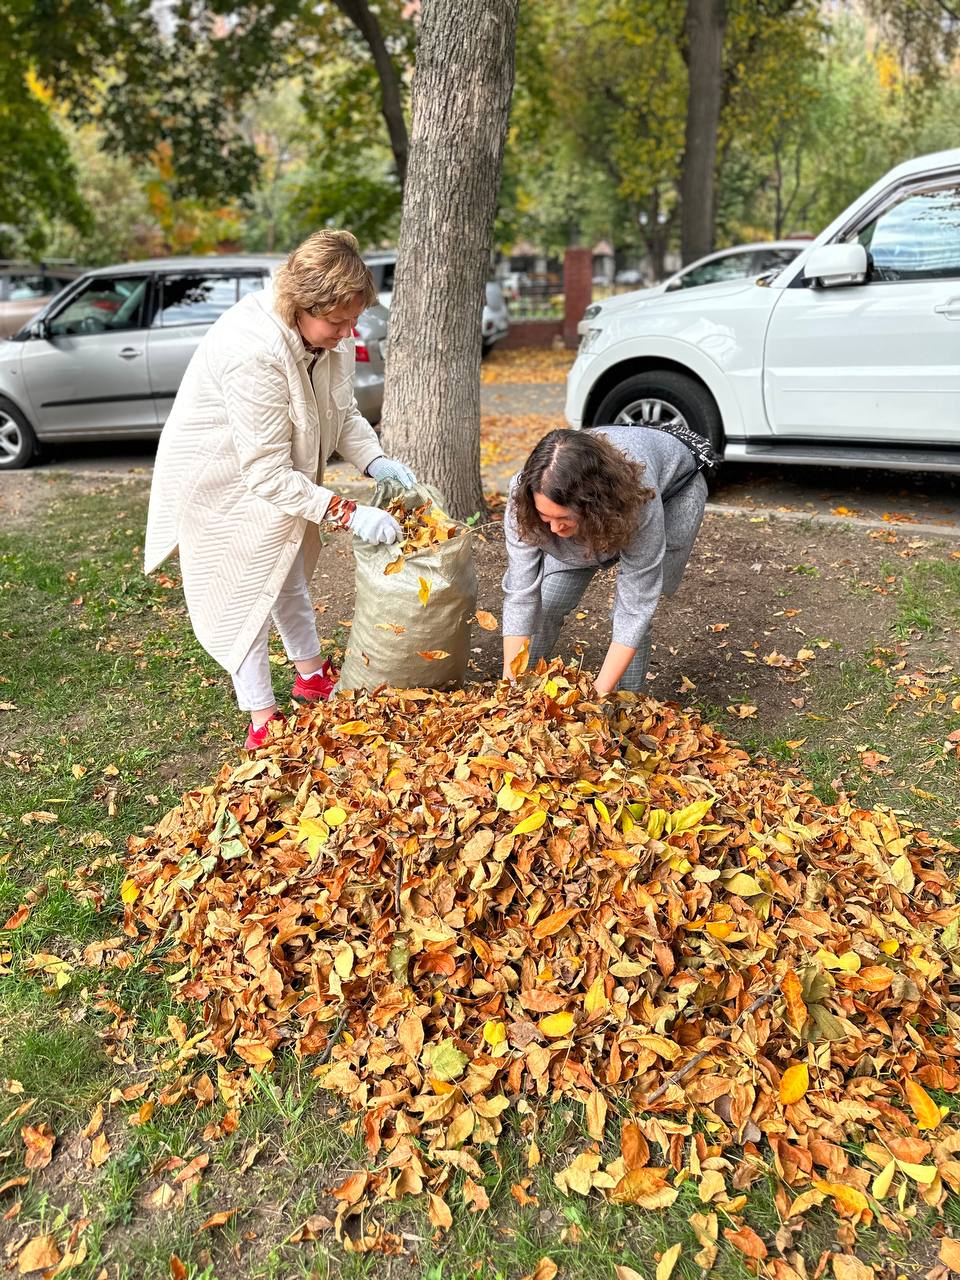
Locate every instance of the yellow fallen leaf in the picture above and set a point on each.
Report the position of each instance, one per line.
(557, 1024)
(794, 1083)
(494, 1032)
(532, 823)
(884, 1180)
(335, 816)
(927, 1112)
(950, 1253)
(668, 1261)
(37, 1255)
(129, 891)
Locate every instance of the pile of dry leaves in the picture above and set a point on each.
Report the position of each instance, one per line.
(468, 905)
(421, 527)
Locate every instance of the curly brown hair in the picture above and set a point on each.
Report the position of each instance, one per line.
(584, 472)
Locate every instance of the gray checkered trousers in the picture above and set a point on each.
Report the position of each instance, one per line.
(563, 585)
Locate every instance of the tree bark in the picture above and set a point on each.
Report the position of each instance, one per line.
(704, 31)
(391, 99)
(461, 100)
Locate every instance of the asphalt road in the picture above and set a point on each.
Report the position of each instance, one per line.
(878, 497)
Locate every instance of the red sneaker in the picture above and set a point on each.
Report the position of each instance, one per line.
(317, 687)
(257, 737)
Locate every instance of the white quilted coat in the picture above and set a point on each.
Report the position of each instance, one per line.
(237, 479)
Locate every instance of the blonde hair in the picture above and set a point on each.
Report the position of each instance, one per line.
(323, 273)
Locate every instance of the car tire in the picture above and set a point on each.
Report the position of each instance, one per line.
(18, 443)
(672, 391)
(486, 348)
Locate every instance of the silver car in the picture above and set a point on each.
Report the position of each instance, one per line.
(105, 358)
(495, 322)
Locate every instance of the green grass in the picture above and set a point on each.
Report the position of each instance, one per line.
(118, 711)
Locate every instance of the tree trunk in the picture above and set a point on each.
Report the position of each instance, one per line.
(391, 99)
(461, 100)
(704, 30)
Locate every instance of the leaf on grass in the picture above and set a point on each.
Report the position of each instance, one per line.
(927, 1112)
(39, 1141)
(950, 1253)
(37, 1255)
(19, 916)
(217, 1219)
(747, 1241)
(668, 1261)
(439, 1212)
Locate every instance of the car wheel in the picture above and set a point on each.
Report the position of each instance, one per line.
(18, 444)
(660, 399)
(485, 349)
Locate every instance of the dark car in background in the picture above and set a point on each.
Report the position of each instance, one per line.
(26, 288)
(104, 359)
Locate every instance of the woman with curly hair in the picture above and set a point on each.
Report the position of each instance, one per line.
(584, 501)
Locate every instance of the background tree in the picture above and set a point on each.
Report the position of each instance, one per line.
(461, 101)
(704, 27)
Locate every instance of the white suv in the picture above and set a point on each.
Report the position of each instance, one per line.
(849, 355)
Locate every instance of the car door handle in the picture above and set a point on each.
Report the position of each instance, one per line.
(950, 309)
(130, 353)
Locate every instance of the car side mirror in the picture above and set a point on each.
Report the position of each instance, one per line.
(673, 286)
(40, 329)
(831, 265)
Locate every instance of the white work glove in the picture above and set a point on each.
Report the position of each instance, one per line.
(390, 469)
(373, 525)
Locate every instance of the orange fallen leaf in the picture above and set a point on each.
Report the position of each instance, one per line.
(433, 655)
(39, 1141)
(794, 1083)
(922, 1105)
(37, 1255)
(747, 1241)
(486, 620)
(217, 1219)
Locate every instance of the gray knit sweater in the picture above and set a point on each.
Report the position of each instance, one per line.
(669, 466)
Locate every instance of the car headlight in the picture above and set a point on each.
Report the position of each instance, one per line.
(588, 338)
(593, 310)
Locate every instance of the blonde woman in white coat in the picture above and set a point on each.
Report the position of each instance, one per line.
(237, 487)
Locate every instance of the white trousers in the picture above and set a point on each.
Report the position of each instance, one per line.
(297, 623)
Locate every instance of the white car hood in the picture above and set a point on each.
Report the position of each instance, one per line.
(613, 307)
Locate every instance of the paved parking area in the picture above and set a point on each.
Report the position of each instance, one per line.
(929, 501)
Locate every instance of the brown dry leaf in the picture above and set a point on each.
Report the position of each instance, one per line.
(747, 1241)
(950, 1253)
(39, 1141)
(546, 1269)
(486, 620)
(178, 1270)
(37, 1255)
(433, 655)
(626, 1273)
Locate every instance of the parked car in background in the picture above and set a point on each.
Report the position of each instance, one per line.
(105, 357)
(495, 321)
(629, 275)
(849, 356)
(736, 263)
(513, 284)
(26, 287)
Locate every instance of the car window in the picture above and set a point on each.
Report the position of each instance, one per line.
(21, 288)
(104, 304)
(386, 278)
(731, 267)
(250, 284)
(773, 259)
(193, 298)
(917, 238)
